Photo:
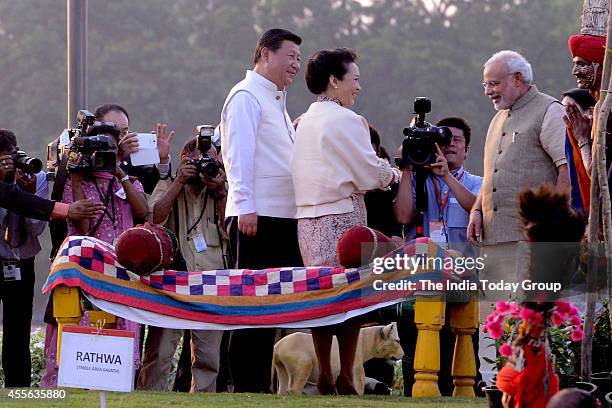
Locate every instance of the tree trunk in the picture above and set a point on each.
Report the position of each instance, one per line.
(599, 195)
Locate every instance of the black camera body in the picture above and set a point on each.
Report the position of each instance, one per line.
(25, 163)
(206, 165)
(419, 145)
(59, 148)
(97, 150)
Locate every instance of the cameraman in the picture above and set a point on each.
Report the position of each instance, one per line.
(123, 200)
(18, 245)
(451, 192)
(23, 203)
(192, 206)
(128, 144)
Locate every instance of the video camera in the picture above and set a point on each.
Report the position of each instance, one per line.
(91, 141)
(96, 151)
(205, 165)
(419, 145)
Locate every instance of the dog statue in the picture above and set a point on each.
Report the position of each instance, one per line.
(295, 363)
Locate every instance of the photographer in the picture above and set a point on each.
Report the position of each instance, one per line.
(18, 246)
(451, 191)
(123, 200)
(23, 203)
(128, 144)
(192, 206)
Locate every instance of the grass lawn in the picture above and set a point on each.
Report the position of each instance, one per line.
(141, 399)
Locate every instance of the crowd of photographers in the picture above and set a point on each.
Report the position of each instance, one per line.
(257, 191)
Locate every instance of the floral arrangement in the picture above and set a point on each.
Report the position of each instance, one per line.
(508, 315)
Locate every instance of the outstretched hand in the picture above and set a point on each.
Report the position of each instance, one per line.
(82, 209)
(164, 139)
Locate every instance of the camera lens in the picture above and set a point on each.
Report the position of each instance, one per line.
(211, 170)
(34, 164)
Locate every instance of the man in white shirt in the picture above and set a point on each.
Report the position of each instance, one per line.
(256, 143)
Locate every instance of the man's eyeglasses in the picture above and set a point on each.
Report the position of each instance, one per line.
(493, 83)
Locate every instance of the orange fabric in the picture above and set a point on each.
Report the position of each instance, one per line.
(584, 178)
(527, 387)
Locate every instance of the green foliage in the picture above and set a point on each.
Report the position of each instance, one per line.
(602, 343)
(37, 351)
(564, 350)
(398, 378)
(509, 329)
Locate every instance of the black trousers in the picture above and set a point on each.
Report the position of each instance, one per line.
(17, 297)
(275, 245)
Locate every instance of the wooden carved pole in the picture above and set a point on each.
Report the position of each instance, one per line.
(594, 14)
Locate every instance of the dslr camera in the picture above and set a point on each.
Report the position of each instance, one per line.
(419, 145)
(205, 165)
(25, 163)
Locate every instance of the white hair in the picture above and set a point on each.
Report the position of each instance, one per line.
(515, 62)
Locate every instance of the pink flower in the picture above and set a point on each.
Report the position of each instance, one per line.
(502, 307)
(576, 321)
(496, 331)
(531, 315)
(557, 318)
(525, 313)
(573, 311)
(505, 350)
(577, 334)
(563, 307)
(537, 318)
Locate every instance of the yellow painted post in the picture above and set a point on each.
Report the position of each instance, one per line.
(66, 310)
(464, 323)
(429, 319)
(106, 319)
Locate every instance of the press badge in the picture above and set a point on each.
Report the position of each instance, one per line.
(121, 193)
(437, 233)
(198, 241)
(11, 272)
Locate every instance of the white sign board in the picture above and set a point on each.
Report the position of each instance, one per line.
(96, 359)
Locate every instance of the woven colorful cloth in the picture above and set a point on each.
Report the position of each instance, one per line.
(238, 296)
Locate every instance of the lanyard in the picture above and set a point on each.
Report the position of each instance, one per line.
(443, 202)
(189, 229)
(108, 200)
